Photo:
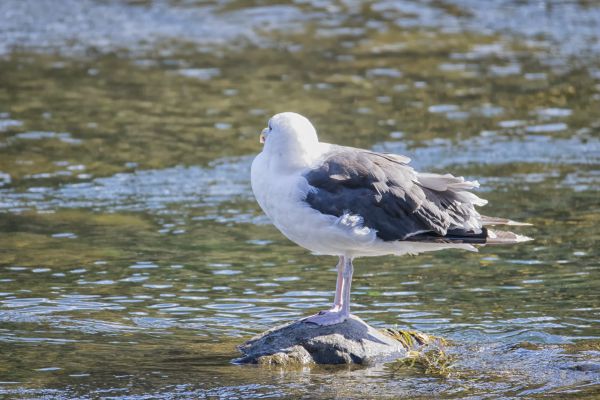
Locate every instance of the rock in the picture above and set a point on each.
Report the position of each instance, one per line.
(351, 342)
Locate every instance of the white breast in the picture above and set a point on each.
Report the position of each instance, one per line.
(282, 195)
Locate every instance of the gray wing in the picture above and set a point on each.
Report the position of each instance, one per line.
(394, 199)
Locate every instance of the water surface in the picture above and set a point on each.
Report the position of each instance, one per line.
(133, 257)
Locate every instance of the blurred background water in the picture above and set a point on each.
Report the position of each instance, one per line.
(133, 257)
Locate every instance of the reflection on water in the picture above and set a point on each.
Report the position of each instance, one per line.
(133, 257)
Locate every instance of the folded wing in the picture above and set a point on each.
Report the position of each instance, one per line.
(395, 200)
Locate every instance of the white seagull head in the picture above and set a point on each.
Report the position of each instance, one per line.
(290, 136)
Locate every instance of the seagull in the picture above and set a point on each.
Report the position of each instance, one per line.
(349, 202)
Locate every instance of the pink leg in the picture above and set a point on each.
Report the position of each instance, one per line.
(341, 307)
(337, 301)
(347, 283)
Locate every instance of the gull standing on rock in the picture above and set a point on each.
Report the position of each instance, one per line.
(349, 202)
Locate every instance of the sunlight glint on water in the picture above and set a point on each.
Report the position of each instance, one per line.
(133, 257)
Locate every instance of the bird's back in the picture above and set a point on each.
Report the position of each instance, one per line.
(397, 202)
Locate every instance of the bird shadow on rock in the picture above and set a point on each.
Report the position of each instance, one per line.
(350, 342)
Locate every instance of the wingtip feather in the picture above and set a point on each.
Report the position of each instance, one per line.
(523, 238)
(486, 220)
(505, 237)
(517, 223)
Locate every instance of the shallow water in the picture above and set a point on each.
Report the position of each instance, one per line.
(133, 257)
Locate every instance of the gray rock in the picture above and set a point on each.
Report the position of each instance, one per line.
(351, 342)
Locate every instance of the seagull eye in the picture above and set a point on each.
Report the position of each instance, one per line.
(270, 127)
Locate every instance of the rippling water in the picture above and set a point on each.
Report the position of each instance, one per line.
(133, 257)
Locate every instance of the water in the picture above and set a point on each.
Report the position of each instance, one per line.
(133, 257)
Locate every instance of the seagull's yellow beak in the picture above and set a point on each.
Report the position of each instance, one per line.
(263, 136)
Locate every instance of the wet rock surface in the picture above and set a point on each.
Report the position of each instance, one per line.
(351, 342)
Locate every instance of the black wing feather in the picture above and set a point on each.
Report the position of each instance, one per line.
(388, 195)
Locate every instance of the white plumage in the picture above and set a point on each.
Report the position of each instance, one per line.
(351, 203)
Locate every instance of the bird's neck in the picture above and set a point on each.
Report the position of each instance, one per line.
(290, 161)
(286, 162)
